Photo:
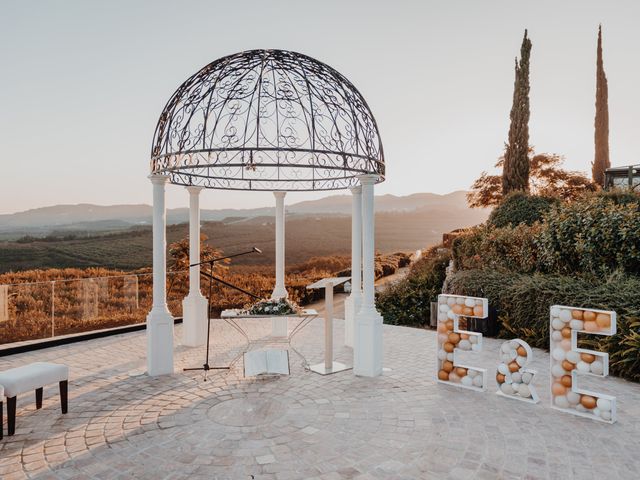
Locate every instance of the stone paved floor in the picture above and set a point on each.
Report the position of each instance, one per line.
(402, 425)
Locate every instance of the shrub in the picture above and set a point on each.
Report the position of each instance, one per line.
(519, 208)
(407, 302)
(510, 248)
(594, 235)
(523, 301)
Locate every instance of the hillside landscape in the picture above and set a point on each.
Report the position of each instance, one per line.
(119, 237)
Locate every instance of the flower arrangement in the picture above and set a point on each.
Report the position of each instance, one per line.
(278, 306)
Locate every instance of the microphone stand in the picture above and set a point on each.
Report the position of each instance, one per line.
(206, 367)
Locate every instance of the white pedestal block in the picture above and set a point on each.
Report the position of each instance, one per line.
(351, 307)
(159, 342)
(279, 327)
(194, 320)
(367, 359)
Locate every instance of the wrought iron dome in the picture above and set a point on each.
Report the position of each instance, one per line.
(267, 120)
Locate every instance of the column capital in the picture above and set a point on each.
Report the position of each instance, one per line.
(279, 194)
(158, 178)
(357, 190)
(193, 189)
(368, 179)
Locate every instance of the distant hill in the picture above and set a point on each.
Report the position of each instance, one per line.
(99, 218)
(318, 228)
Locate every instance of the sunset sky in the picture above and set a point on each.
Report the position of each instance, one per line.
(83, 84)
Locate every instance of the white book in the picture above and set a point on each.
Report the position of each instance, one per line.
(260, 362)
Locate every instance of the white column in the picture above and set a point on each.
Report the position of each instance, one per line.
(159, 320)
(353, 301)
(279, 325)
(367, 351)
(194, 305)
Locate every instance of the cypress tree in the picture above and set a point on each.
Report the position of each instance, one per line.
(515, 174)
(601, 135)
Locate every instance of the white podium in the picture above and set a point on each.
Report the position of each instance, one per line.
(328, 366)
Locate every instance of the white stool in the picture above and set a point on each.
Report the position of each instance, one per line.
(32, 377)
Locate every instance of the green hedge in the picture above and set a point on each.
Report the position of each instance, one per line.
(523, 302)
(519, 208)
(407, 302)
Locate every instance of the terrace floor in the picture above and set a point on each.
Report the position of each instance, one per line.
(402, 425)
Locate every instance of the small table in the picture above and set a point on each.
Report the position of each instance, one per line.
(231, 316)
(328, 366)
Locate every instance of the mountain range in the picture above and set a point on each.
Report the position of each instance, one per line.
(88, 217)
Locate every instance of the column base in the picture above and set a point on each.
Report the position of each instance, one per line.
(351, 307)
(367, 352)
(279, 292)
(194, 320)
(159, 342)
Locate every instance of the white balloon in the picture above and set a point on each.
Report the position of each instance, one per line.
(477, 380)
(596, 411)
(469, 302)
(565, 315)
(526, 377)
(505, 348)
(604, 404)
(556, 336)
(557, 324)
(573, 356)
(444, 308)
(451, 315)
(473, 338)
(606, 415)
(555, 312)
(503, 369)
(451, 301)
(506, 389)
(472, 373)
(576, 325)
(475, 347)
(557, 371)
(573, 398)
(558, 354)
(597, 367)
(467, 381)
(460, 300)
(516, 377)
(561, 401)
(464, 345)
(450, 357)
(521, 361)
(583, 367)
(524, 391)
(442, 355)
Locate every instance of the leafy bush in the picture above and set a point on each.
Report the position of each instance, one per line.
(510, 248)
(407, 302)
(523, 301)
(519, 208)
(595, 235)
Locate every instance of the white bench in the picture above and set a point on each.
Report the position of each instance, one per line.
(32, 377)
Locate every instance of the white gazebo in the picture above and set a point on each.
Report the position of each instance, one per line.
(266, 120)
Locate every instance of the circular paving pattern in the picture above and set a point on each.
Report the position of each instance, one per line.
(247, 412)
(401, 425)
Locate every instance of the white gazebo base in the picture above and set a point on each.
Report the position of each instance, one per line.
(159, 342)
(194, 313)
(367, 361)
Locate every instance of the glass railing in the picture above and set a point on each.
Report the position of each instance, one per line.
(30, 311)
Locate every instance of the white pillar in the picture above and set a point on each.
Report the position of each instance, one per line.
(194, 305)
(159, 320)
(279, 325)
(353, 301)
(367, 351)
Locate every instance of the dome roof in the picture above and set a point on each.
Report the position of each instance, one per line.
(267, 120)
